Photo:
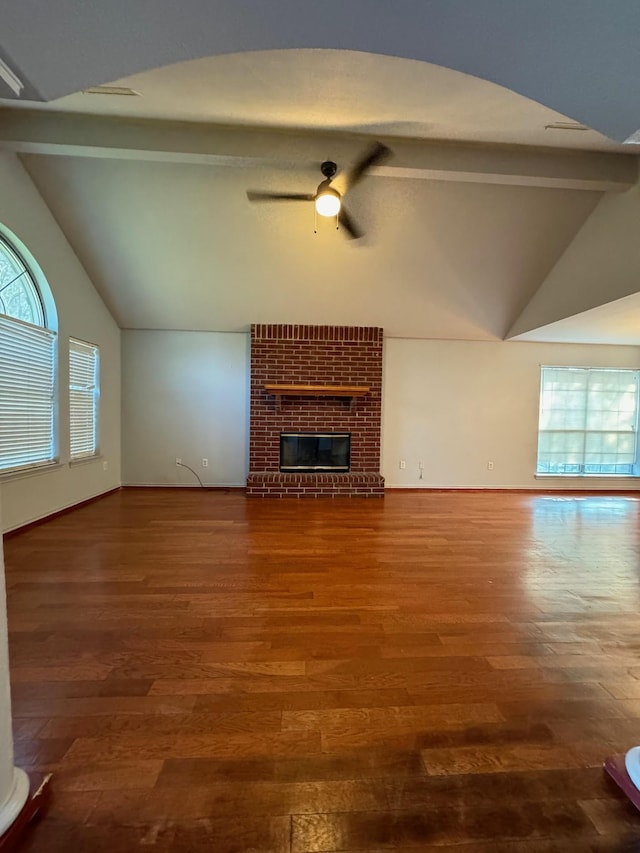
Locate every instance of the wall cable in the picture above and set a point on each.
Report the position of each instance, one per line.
(182, 465)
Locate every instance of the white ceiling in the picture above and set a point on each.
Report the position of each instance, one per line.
(579, 58)
(171, 245)
(614, 323)
(174, 246)
(337, 90)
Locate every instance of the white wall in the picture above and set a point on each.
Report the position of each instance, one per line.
(6, 737)
(82, 314)
(453, 404)
(185, 394)
(456, 405)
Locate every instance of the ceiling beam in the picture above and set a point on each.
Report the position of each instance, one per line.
(35, 132)
(578, 57)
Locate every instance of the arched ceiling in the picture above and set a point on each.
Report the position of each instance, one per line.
(476, 226)
(341, 91)
(576, 57)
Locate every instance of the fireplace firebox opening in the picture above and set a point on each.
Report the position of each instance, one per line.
(312, 453)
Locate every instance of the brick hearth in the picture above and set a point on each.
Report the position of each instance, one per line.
(310, 355)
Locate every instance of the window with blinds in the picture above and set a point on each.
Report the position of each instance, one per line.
(588, 421)
(27, 388)
(83, 399)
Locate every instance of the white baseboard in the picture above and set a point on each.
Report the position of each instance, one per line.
(184, 485)
(573, 486)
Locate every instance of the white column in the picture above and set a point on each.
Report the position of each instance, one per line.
(14, 783)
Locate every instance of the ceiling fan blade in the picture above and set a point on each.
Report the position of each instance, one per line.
(256, 195)
(349, 225)
(374, 155)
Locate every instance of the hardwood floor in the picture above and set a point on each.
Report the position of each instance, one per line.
(432, 671)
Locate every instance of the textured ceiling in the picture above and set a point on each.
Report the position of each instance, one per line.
(179, 247)
(161, 222)
(338, 90)
(577, 56)
(614, 323)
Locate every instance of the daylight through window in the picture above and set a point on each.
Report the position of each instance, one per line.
(83, 398)
(588, 421)
(19, 297)
(27, 368)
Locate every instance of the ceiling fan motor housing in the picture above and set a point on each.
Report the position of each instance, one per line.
(328, 169)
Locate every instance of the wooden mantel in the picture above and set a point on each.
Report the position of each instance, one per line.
(316, 390)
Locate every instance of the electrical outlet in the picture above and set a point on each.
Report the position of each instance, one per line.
(489, 466)
(205, 462)
(403, 464)
(178, 460)
(421, 465)
(105, 465)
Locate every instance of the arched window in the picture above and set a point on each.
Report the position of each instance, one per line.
(27, 367)
(19, 295)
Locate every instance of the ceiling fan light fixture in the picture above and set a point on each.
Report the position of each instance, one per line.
(327, 199)
(328, 202)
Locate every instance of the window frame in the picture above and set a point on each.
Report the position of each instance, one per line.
(85, 456)
(635, 465)
(19, 328)
(13, 252)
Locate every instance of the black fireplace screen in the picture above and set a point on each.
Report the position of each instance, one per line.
(306, 453)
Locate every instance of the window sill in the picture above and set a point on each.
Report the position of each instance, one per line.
(586, 476)
(34, 471)
(85, 460)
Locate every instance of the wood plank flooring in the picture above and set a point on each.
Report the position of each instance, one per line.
(433, 671)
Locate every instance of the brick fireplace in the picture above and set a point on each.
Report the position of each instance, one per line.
(334, 379)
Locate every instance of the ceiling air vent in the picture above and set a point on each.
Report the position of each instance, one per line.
(111, 90)
(566, 125)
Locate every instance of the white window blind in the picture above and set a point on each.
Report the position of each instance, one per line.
(27, 384)
(588, 421)
(83, 398)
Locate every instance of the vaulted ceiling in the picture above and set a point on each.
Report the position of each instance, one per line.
(179, 246)
(486, 222)
(576, 57)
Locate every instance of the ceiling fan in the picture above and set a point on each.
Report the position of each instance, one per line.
(330, 193)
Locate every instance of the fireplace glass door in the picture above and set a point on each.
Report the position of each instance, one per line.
(308, 453)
